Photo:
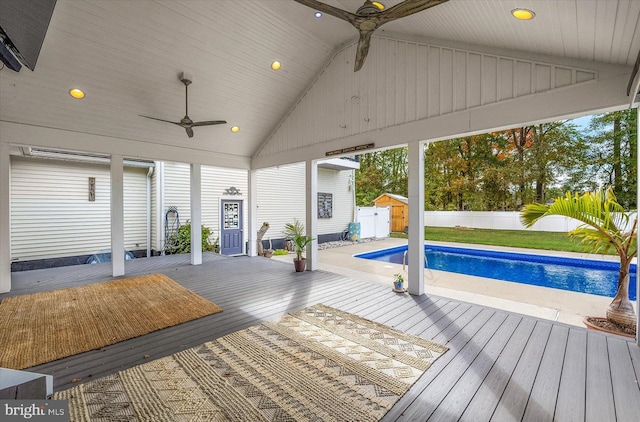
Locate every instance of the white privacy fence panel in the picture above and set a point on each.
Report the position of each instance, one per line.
(499, 220)
(374, 221)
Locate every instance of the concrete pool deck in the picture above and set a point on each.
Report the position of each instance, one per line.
(552, 304)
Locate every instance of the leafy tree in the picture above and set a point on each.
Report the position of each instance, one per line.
(380, 172)
(519, 141)
(507, 169)
(606, 226)
(611, 158)
(555, 147)
(369, 185)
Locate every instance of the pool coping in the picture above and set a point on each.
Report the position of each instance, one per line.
(548, 303)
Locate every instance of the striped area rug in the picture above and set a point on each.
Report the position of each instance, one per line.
(316, 364)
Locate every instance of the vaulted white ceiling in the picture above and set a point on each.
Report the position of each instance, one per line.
(127, 57)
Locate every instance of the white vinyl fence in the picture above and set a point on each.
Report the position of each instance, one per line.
(374, 221)
(499, 220)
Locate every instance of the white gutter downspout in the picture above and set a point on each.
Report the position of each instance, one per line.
(149, 173)
(352, 183)
(637, 237)
(160, 199)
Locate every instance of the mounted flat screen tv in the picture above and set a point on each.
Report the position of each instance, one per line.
(23, 26)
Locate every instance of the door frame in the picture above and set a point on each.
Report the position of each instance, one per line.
(244, 226)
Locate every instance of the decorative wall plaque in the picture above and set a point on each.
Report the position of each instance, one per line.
(325, 205)
(92, 189)
(232, 191)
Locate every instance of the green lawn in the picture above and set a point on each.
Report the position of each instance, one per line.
(511, 238)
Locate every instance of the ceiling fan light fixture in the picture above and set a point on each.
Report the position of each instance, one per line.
(523, 14)
(235, 129)
(275, 65)
(378, 5)
(318, 14)
(368, 8)
(76, 93)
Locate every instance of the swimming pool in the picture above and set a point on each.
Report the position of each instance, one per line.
(578, 275)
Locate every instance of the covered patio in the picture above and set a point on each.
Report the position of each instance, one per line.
(501, 366)
(456, 69)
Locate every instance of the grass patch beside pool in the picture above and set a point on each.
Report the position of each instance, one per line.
(552, 241)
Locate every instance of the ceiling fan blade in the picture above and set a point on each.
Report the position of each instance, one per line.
(406, 8)
(161, 120)
(209, 122)
(363, 49)
(186, 121)
(330, 10)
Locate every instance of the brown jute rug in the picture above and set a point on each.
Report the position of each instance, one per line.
(319, 364)
(46, 326)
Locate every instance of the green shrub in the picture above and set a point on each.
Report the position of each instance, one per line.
(181, 241)
(280, 252)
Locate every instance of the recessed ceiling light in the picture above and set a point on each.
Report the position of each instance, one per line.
(235, 129)
(523, 14)
(76, 93)
(276, 65)
(378, 5)
(318, 14)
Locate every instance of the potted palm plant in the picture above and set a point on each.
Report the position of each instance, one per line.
(606, 226)
(296, 233)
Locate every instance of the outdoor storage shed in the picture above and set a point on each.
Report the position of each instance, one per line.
(399, 210)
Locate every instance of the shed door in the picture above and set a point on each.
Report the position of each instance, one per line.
(231, 232)
(397, 218)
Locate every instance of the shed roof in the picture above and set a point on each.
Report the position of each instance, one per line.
(400, 198)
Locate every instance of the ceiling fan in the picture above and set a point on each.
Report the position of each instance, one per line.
(186, 122)
(370, 17)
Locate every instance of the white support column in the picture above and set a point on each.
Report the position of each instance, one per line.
(416, 218)
(252, 210)
(5, 218)
(117, 216)
(196, 214)
(311, 174)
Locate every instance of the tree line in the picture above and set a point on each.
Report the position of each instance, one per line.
(508, 169)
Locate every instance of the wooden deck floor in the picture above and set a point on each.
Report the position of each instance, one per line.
(501, 366)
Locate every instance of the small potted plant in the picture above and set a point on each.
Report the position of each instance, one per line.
(398, 283)
(296, 233)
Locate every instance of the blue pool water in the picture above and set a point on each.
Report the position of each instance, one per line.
(578, 275)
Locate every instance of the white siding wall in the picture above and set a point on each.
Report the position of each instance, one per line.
(281, 198)
(337, 183)
(214, 182)
(52, 217)
(406, 81)
(135, 208)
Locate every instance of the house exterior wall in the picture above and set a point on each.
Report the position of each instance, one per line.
(215, 180)
(52, 217)
(339, 184)
(281, 198)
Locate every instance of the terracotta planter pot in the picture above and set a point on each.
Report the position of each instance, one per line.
(597, 328)
(299, 264)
